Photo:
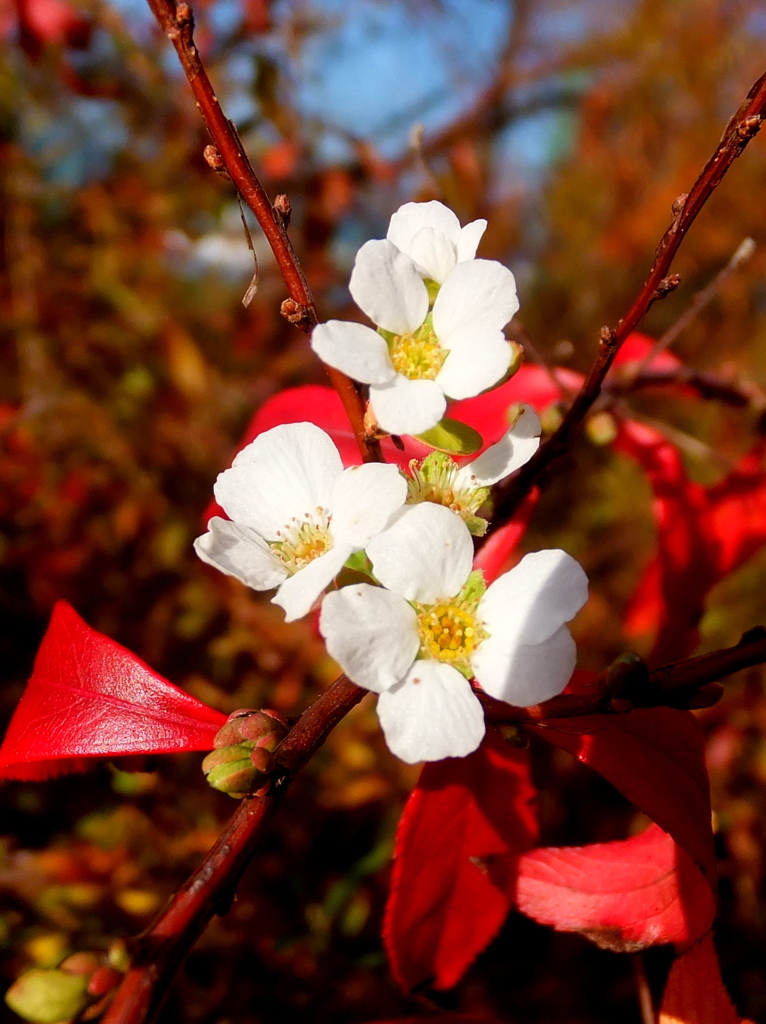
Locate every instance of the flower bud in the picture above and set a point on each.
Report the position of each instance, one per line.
(244, 748)
(262, 728)
(46, 996)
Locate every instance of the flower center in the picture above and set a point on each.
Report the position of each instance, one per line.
(450, 631)
(434, 479)
(418, 355)
(302, 540)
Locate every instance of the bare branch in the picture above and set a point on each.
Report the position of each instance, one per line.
(229, 157)
(743, 127)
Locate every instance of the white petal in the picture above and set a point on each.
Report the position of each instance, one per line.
(355, 349)
(240, 552)
(472, 367)
(385, 284)
(407, 406)
(371, 633)
(525, 674)
(424, 555)
(285, 472)
(363, 500)
(433, 714)
(478, 297)
(298, 593)
(410, 218)
(469, 240)
(514, 448)
(434, 254)
(529, 603)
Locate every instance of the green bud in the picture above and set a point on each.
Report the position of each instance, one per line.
(243, 757)
(235, 778)
(48, 996)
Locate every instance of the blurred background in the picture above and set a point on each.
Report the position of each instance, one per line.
(129, 369)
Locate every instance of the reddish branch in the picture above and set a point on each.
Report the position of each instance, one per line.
(692, 682)
(177, 21)
(158, 952)
(740, 130)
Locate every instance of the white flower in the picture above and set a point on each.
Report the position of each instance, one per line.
(419, 641)
(296, 514)
(454, 348)
(464, 489)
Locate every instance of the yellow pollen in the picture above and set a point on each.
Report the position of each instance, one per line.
(299, 543)
(449, 632)
(418, 355)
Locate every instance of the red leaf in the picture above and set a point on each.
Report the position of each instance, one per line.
(736, 524)
(459, 840)
(499, 553)
(90, 697)
(695, 992)
(624, 896)
(678, 580)
(656, 758)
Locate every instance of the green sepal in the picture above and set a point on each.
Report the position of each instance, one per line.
(477, 526)
(474, 590)
(452, 437)
(359, 562)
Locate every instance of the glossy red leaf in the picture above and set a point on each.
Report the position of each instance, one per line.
(695, 993)
(457, 848)
(89, 697)
(624, 895)
(656, 758)
(703, 534)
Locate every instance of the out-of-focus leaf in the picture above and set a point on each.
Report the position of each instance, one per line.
(695, 992)
(459, 840)
(624, 896)
(656, 758)
(90, 697)
(498, 554)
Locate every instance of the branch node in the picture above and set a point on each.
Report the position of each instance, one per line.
(184, 17)
(678, 204)
(215, 161)
(608, 338)
(297, 314)
(749, 127)
(282, 210)
(666, 286)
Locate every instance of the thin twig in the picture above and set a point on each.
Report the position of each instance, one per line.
(703, 298)
(740, 130)
(643, 991)
(692, 682)
(177, 21)
(708, 385)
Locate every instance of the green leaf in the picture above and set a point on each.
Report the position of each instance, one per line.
(452, 437)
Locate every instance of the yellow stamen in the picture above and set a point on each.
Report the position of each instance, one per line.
(299, 543)
(418, 355)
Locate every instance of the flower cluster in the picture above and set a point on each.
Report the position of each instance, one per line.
(414, 622)
(440, 314)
